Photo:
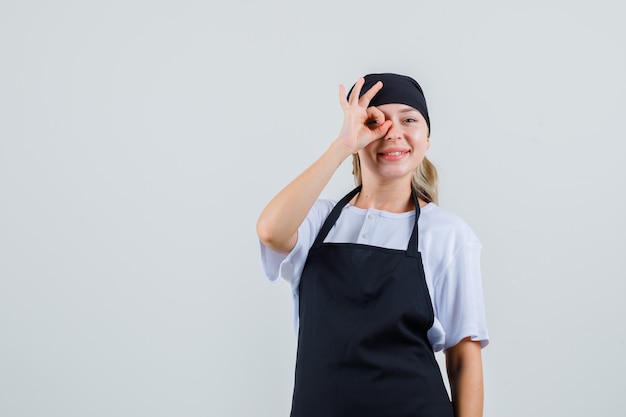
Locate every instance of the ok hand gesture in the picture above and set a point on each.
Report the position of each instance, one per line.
(361, 124)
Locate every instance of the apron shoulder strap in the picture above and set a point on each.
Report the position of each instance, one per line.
(412, 250)
(332, 217)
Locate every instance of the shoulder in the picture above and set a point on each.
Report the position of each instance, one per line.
(321, 209)
(445, 227)
(445, 239)
(324, 204)
(315, 218)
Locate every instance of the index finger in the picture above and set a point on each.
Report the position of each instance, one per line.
(369, 94)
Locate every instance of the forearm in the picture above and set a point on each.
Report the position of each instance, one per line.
(278, 223)
(466, 379)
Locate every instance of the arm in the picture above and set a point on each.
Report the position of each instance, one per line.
(278, 223)
(465, 373)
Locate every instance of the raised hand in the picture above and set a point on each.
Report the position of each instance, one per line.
(361, 124)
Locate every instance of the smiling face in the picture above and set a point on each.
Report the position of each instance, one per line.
(397, 154)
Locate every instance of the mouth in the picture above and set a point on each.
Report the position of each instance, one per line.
(393, 153)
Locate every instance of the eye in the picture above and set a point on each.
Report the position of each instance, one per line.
(410, 120)
(371, 122)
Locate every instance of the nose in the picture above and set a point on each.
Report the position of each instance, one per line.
(394, 132)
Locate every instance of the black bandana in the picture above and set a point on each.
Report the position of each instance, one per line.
(397, 89)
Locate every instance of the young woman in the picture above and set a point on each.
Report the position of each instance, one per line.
(382, 278)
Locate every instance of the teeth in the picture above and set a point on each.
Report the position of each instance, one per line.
(394, 153)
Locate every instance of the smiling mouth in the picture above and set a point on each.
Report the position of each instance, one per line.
(397, 153)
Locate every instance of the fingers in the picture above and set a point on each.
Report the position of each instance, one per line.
(362, 124)
(381, 130)
(343, 102)
(369, 94)
(374, 114)
(356, 91)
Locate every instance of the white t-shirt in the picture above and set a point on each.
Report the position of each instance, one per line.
(450, 255)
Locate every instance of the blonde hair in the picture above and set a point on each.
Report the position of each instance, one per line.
(425, 180)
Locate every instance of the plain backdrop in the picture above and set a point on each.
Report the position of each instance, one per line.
(139, 141)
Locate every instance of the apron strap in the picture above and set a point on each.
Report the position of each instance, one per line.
(332, 217)
(336, 211)
(414, 240)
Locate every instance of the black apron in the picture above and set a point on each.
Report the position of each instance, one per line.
(362, 344)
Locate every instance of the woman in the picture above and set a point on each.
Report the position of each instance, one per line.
(376, 291)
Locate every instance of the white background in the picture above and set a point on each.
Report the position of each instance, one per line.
(139, 141)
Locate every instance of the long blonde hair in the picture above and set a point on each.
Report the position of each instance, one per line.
(425, 180)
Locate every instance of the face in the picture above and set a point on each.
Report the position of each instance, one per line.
(398, 153)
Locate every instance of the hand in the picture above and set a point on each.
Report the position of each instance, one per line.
(361, 124)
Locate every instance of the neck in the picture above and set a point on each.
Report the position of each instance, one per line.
(394, 197)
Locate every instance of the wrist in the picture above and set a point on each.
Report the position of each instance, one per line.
(339, 149)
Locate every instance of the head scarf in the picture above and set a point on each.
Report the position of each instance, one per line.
(396, 89)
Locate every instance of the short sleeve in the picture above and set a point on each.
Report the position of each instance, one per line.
(289, 266)
(459, 301)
